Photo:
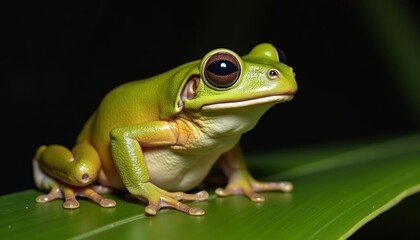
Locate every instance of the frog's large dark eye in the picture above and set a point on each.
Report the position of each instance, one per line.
(222, 70)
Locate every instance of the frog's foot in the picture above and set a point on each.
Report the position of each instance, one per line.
(159, 198)
(69, 194)
(249, 187)
(59, 189)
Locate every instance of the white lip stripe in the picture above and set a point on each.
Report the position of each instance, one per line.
(279, 98)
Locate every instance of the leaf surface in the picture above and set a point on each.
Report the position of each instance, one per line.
(338, 188)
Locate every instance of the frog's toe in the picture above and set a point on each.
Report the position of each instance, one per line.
(151, 209)
(45, 198)
(71, 204)
(196, 211)
(54, 193)
(256, 197)
(224, 192)
(199, 196)
(106, 202)
(42, 199)
(70, 201)
(154, 207)
(251, 187)
(95, 197)
(285, 186)
(251, 194)
(272, 186)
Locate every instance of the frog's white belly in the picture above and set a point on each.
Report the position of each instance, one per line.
(177, 171)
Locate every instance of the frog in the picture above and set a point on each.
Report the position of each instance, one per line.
(158, 138)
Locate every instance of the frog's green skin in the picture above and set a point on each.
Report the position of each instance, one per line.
(159, 137)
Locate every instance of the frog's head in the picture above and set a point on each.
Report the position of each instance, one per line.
(227, 81)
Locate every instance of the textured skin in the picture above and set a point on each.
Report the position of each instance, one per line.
(165, 133)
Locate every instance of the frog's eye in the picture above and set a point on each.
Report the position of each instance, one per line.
(273, 74)
(222, 70)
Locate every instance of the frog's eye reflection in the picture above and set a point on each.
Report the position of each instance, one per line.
(222, 70)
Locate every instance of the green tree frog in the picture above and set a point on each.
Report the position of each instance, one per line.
(158, 138)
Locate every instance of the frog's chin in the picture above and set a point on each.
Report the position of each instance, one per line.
(248, 102)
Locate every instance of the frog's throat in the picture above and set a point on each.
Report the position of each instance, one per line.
(248, 102)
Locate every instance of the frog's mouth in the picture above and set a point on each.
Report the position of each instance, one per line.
(248, 102)
(190, 89)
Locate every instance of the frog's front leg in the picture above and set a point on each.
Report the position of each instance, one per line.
(241, 181)
(127, 143)
(67, 174)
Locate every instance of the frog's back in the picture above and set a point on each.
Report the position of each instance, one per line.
(143, 100)
(128, 104)
(117, 108)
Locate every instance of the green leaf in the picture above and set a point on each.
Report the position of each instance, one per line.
(338, 188)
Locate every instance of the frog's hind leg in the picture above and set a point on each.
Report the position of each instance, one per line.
(67, 174)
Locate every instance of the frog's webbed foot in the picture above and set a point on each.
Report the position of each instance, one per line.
(159, 198)
(59, 189)
(246, 185)
(69, 194)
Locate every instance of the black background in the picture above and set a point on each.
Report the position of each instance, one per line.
(60, 58)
